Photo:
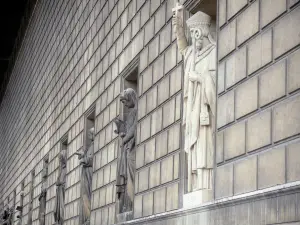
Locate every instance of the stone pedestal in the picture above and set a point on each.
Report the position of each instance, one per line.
(126, 216)
(197, 198)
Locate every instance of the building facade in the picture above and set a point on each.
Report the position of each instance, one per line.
(62, 139)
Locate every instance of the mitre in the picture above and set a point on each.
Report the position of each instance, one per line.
(198, 19)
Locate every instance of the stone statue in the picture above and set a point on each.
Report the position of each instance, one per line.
(199, 97)
(60, 189)
(43, 195)
(86, 160)
(126, 129)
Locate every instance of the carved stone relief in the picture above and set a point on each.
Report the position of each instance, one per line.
(43, 195)
(199, 97)
(126, 129)
(86, 161)
(60, 189)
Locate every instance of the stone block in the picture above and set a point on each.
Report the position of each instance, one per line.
(259, 131)
(225, 111)
(172, 197)
(271, 174)
(156, 122)
(178, 107)
(150, 151)
(142, 103)
(270, 11)
(175, 80)
(151, 99)
(287, 208)
(286, 28)
(174, 138)
(145, 128)
(234, 141)
(222, 12)
(293, 68)
(244, 168)
(227, 39)
(144, 59)
(236, 67)
(245, 30)
(221, 77)
(260, 51)
(160, 201)
(158, 69)
(136, 24)
(272, 83)
(147, 79)
(153, 49)
(176, 166)
(169, 113)
(167, 170)
(145, 13)
(234, 6)
(165, 37)
(154, 179)
(220, 147)
(149, 30)
(286, 119)
(171, 56)
(144, 179)
(224, 181)
(246, 98)
(161, 145)
(163, 90)
(139, 156)
(154, 6)
(138, 207)
(127, 35)
(293, 162)
(160, 18)
(148, 204)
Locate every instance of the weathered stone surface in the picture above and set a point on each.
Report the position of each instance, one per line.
(224, 181)
(143, 59)
(156, 121)
(165, 37)
(160, 201)
(171, 57)
(142, 107)
(150, 151)
(221, 78)
(270, 11)
(227, 39)
(293, 68)
(292, 2)
(219, 147)
(145, 12)
(293, 162)
(149, 30)
(138, 207)
(287, 208)
(154, 179)
(236, 67)
(161, 145)
(244, 168)
(160, 18)
(153, 49)
(286, 119)
(140, 156)
(167, 170)
(272, 83)
(234, 6)
(245, 29)
(148, 204)
(147, 79)
(143, 179)
(169, 113)
(259, 131)
(246, 97)
(259, 51)
(270, 174)
(174, 137)
(163, 90)
(175, 80)
(234, 141)
(172, 197)
(158, 69)
(225, 112)
(151, 99)
(286, 28)
(222, 12)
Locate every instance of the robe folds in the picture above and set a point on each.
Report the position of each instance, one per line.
(198, 97)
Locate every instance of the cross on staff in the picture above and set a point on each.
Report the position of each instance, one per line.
(176, 9)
